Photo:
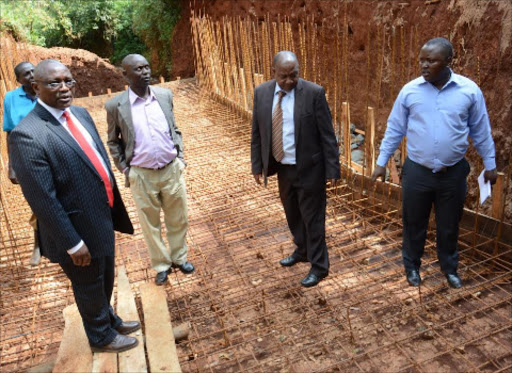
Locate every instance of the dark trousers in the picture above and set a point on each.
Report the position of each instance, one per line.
(305, 214)
(92, 287)
(446, 191)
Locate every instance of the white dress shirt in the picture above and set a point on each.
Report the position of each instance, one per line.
(58, 114)
(287, 105)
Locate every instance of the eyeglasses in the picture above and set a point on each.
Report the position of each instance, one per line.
(56, 85)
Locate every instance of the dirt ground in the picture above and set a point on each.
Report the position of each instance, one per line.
(92, 73)
(481, 32)
(248, 313)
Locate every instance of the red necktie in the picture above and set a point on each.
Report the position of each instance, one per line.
(89, 152)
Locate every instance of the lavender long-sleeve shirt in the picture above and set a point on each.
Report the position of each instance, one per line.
(153, 147)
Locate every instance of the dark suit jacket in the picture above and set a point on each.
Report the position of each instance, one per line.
(317, 155)
(63, 188)
(121, 136)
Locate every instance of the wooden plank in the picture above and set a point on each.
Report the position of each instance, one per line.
(160, 344)
(393, 171)
(497, 196)
(133, 360)
(74, 352)
(370, 163)
(345, 119)
(104, 362)
(357, 167)
(403, 150)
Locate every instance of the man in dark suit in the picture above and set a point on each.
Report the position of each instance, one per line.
(292, 135)
(147, 147)
(64, 172)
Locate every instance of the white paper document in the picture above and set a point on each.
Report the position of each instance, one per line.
(485, 188)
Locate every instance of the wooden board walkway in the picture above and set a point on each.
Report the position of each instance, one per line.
(75, 354)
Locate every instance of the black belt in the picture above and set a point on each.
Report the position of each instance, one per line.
(442, 170)
(159, 168)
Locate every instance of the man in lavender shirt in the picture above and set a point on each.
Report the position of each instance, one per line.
(147, 147)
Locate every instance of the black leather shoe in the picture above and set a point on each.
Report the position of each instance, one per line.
(185, 268)
(312, 280)
(119, 344)
(161, 277)
(128, 327)
(413, 278)
(290, 261)
(454, 281)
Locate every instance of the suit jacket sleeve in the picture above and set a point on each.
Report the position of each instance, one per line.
(256, 162)
(327, 136)
(36, 178)
(114, 138)
(177, 137)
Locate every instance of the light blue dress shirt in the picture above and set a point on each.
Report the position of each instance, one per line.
(437, 123)
(287, 104)
(16, 107)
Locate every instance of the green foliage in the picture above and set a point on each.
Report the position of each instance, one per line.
(29, 20)
(154, 22)
(125, 40)
(109, 28)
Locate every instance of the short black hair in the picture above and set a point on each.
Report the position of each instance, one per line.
(443, 43)
(17, 68)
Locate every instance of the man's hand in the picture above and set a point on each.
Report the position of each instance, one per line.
(491, 176)
(82, 257)
(379, 172)
(126, 179)
(257, 177)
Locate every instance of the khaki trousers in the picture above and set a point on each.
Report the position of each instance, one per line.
(163, 189)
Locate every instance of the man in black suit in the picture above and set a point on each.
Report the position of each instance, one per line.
(65, 175)
(292, 135)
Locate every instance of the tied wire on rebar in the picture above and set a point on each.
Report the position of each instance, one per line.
(247, 312)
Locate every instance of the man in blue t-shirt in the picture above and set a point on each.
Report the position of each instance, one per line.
(17, 104)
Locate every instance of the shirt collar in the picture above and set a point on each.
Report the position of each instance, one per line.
(21, 92)
(132, 96)
(453, 78)
(56, 113)
(278, 88)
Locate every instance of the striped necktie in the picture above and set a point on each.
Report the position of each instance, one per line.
(277, 129)
(89, 152)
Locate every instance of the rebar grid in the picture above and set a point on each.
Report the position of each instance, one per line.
(250, 314)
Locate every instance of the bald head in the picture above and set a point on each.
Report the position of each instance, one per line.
(54, 84)
(43, 67)
(286, 70)
(130, 59)
(283, 57)
(137, 72)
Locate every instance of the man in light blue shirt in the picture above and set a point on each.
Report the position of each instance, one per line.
(436, 112)
(17, 104)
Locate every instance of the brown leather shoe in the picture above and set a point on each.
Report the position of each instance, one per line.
(119, 344)
(128, 327)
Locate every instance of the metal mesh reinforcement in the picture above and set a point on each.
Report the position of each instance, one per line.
(250, 314)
